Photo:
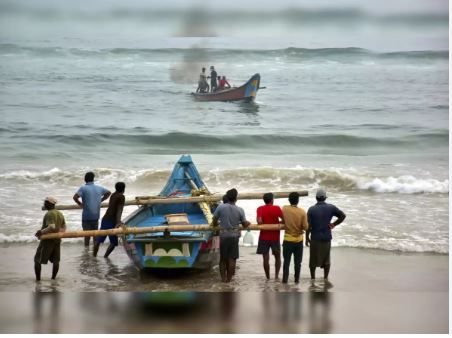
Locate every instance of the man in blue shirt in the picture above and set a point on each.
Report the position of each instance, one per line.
(92, 196)
(319, 232)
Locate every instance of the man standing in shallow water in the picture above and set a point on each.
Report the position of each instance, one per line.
(111, 219)
(49, 249)
(320, 226)
(92, 196)
(296, 223)
(229, 217)
(269, 214)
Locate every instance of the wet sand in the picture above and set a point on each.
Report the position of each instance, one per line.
(371, 291)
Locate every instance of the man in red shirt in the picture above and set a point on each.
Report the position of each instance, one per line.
(223, 83)
(269, 214)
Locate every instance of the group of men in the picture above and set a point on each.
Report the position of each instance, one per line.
(216, 82)
(228, 216)
(91, 195)
(316, 223)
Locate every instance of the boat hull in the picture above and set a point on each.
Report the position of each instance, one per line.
(244, 93)
(175, 250)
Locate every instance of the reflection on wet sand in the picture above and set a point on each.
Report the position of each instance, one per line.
(46, 312)
(223, 312)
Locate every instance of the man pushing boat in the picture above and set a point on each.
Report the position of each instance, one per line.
(49, 249)
(229, 217)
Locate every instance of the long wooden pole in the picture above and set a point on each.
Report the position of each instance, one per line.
(160, 228)
(149, 200)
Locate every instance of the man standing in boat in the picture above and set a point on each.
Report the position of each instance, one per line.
(111, 219)
(229, 217)
(49, 249)
(203, 86)
(92, 196)
(213, 79)
(269, 214)
(319, 233)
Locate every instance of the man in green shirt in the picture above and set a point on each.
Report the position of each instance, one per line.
(49, 249)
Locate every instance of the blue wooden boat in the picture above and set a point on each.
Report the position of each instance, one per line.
(187, 249)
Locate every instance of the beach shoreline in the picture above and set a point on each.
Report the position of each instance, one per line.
(372, 291)
(353, 269)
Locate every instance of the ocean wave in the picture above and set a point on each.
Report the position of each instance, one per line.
(199, 54)
(178, 142)
(261, 178)
(406, 184)
(22, 238)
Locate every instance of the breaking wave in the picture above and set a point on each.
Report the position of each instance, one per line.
(249, 178)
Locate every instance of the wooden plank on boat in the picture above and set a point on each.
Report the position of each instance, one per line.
(153, 229)
(150, 200)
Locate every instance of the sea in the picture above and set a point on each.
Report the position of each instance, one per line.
(355, 102)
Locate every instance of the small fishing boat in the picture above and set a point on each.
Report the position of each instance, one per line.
(246, 92)
(181, 249)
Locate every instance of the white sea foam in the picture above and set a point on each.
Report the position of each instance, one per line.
(406, 184)
(251, 178)
(20, 238)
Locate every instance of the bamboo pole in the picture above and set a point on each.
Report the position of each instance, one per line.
(149, 200)
(160, 228)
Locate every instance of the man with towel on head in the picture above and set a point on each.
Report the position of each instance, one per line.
(49, 249)
(320, 226)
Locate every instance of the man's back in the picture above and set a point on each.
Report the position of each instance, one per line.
(296, 222)
(116, 200)
(270, 214)
(230, 217)
(91, 195)
(319, 218)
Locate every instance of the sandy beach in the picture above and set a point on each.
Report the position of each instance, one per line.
(371, 291)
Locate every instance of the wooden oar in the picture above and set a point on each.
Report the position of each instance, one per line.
(148, 200)
(160, 228)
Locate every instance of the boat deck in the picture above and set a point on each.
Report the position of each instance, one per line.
(156, 220)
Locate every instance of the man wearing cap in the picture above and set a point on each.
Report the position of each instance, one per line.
(92, 196)
(49, 249)
(319, 232)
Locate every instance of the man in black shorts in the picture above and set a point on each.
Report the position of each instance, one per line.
(229, 217)
(269, 214)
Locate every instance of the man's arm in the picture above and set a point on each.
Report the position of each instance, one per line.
(76, 199)
(259, 216)
(214, 221)
(340, 218)
(281, 216)
(243, 220)
(50, 226)
(106, 195)
(119, 210)
(308, 230)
